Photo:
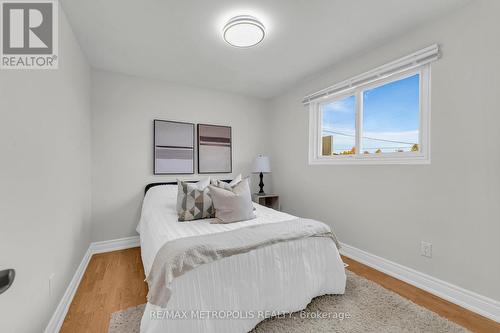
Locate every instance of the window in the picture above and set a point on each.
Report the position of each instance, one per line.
(382, 122)
(391, 117)
(338, 126)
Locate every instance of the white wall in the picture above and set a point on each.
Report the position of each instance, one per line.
(44, 182)
(122, 132)
(387, 210)
(46, 134)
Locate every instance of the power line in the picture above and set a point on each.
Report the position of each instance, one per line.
(366, 148)
(369, 138)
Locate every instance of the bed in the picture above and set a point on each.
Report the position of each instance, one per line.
(235, 293)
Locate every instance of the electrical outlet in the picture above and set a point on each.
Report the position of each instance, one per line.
(426, 249)
(51, 283)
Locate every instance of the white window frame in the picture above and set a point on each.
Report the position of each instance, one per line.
(420, 157)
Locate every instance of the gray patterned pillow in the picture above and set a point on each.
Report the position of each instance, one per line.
(200, 185)
(195, 203)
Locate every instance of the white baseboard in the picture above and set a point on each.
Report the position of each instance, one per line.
(57, 319)
(472, 301)
(114, 244)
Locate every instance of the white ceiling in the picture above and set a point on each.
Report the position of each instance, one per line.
(180, 40)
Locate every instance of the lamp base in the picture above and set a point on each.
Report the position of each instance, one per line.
(261, 184)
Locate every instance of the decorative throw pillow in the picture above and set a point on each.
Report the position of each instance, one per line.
(195, 203)
(233, 205)
(200, 185)
(227, 186)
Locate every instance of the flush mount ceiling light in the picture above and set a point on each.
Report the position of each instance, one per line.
(243, 31)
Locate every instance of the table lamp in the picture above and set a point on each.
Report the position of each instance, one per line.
(261, 165)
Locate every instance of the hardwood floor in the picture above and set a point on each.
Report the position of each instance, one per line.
(115, 281)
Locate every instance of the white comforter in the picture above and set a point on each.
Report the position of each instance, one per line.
(280, 278)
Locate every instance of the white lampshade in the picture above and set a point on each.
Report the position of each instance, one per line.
(261, 164)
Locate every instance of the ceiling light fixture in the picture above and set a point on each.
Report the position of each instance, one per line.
(243, 31)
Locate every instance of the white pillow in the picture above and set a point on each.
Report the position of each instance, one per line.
(201, 184)
(233, 205)
(236, 180)
(227, 186)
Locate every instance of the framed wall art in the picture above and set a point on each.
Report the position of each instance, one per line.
(173, 147)
(214, 149)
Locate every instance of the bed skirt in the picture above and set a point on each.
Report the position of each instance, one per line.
(234, 294)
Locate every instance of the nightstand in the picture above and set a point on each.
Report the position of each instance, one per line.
(268, 200)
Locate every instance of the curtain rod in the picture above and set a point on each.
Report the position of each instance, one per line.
(414, 60)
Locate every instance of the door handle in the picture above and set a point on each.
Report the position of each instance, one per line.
(6, 279)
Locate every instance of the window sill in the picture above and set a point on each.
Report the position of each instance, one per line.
(359, 160)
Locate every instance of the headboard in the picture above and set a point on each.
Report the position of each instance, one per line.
(175, 183)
